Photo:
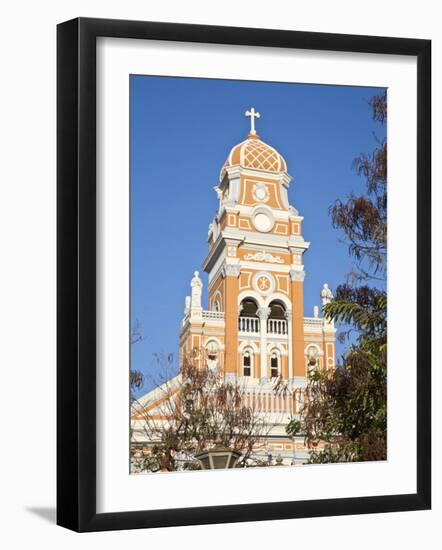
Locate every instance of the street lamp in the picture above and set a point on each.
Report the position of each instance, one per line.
(218, 458)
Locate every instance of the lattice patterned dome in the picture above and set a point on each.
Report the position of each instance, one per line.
(254, 153)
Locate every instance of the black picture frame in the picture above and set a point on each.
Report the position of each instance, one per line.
(77, 287)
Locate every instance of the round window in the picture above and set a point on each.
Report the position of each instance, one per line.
(262, 222)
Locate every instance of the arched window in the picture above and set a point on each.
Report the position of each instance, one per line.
(248, 316)
(277, 323)
(212, 353)
(215, 306)
(274, 364)
(248, 308)
(247, 362)
(312, 357)
(277, 310)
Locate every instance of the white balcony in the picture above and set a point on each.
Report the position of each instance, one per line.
(267, 401)
(213, 315)
(249, 325)
(313, 323)
(277, 326)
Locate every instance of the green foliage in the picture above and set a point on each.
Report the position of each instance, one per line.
(202, 411)
(294, 427)
(363, 218)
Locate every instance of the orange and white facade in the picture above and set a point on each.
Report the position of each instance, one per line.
(254, 328)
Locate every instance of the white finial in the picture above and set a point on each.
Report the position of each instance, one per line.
(252, 114)
(315, 312)
(326, 295)
(196, 285)
(195, 302)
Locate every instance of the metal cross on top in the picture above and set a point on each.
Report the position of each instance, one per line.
(252, 114)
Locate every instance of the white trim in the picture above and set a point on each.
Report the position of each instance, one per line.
(251, 294)
(247, 344)
(266, 211)
(217, 297)
(313, 345)
(279, 296)
(277, 268)
(277, 345)
(211, 338)
(268, 276)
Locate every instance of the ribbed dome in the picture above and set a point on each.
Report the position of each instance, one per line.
(255, 154)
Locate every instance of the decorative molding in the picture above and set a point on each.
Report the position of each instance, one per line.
(266, 214)
(283, 283)
(263, 288)
(297, 275)
(232, 220)
(319, 351)
(272, 346)
(229, 203)
(210, 338)
(233, 270)
(244, 223)
(295, 248)
(270, 239)
(264, 257)
(260, 192)
(263, 313)
(244, 344)
(247, 275)
(281, 229)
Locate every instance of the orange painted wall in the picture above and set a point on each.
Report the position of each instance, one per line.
(296, 295)
(231, 323)
(272, 186)
(218, 285)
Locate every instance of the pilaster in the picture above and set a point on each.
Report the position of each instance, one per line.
(231, 274)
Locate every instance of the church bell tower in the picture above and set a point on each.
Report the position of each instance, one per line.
(255, 326)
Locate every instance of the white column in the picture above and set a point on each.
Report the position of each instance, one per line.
(263, 314)
(288, 316)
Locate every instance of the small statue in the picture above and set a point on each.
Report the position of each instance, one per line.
(326, 295)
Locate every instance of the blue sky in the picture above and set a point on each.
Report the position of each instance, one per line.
(182, 130)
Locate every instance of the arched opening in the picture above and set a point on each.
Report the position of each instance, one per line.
(275, 363)
(248, 316)
(312, 357)
(248, 308)
(277, 322)
(212, 354)
(247, 362)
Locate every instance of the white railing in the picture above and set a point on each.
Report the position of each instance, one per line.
(248, 324)
(269, 401)
(277, 326)
(312, 323)
(214, 315)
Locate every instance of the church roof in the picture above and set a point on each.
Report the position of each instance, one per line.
(254, 153)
